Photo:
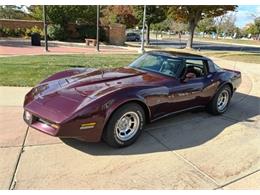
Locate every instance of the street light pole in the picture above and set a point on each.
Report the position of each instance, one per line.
(98, 10)
(45, 28)
(142, 43)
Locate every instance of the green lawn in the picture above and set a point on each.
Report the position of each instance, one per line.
(249, 58)
(196, 38)
(29, 70)
(236, 41)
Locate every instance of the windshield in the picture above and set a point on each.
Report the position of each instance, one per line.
(156, 63)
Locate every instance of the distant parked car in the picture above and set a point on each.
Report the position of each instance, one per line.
(133, 37)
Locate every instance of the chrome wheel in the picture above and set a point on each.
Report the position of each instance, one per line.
(223, 99)
(127, 126)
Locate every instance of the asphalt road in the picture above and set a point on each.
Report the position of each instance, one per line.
(205, 46)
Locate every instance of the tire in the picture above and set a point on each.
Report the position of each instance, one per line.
(223, 95)
(129, 118)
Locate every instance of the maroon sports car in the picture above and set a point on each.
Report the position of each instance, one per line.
(115, 104)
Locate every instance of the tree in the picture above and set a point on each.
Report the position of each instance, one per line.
(257, 26)
(64, 14)
(178, 27)
(251, 29)
(154, 14)
(12, 12)
(192, 14)
(36, 12)
(254, 29)
(119, 14)
(225, 24)
(207, 25)
(164, 25)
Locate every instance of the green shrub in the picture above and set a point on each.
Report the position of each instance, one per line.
(2, 34)
(56, 32)
(29, 31)
(19, 32)
(6, 32)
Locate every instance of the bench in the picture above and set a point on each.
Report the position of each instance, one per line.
(89, 41)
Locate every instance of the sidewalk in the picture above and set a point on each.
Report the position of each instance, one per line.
(13, 96)
(14, 47)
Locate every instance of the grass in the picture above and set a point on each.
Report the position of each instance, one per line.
(236, 56)
(236, 41)
(30, 70)
(249, 58)
(197, 38)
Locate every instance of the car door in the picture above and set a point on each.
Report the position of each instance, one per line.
(187, 93)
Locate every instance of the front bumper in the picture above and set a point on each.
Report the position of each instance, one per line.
(71, 129)
(40, 124)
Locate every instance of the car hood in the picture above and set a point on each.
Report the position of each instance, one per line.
(58, 99)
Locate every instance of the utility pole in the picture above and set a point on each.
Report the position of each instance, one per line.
(45, 28)
(98, 10)
(142, 43)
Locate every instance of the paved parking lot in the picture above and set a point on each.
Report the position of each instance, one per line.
(193, 150)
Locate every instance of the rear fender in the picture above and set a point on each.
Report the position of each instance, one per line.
(222, 85)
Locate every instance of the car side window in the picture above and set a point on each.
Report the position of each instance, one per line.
(197, 67)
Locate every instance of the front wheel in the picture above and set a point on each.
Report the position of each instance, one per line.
(220, 102)
(124, 126)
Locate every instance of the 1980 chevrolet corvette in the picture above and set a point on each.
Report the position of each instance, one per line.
(114, 104)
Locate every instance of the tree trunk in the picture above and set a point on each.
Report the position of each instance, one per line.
(194, 18)
(147, 34)
(192, 26)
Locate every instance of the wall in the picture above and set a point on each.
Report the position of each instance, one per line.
(117, 34)
(12, 24)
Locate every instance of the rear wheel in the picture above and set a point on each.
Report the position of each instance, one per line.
(125, 125)
(220, 102)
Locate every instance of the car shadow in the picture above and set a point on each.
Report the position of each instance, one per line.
(185, 130)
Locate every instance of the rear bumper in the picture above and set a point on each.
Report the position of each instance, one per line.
(71, 129)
